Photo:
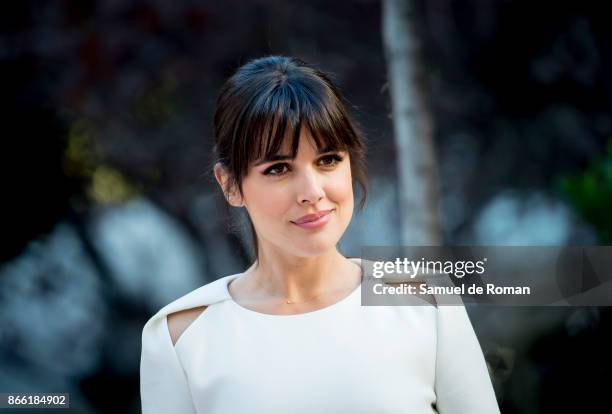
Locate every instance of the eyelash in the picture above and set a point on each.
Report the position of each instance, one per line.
(334, 157)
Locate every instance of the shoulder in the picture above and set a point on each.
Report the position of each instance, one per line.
(179, 321)
(171, 321)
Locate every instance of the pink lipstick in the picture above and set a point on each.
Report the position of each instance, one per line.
(313, 221)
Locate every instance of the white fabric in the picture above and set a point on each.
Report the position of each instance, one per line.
(344, 358)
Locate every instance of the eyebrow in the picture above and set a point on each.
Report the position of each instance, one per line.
(283, 157)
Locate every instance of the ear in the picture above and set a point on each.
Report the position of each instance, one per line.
(231, 193)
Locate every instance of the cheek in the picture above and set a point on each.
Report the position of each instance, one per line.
(274, 203)
(265, 205)
(341, 187)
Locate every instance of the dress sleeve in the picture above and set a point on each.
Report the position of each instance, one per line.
(462, 383)
(163, 384)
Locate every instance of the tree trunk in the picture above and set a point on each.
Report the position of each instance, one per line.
(417, 173)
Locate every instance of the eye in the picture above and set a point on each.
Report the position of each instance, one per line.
(276, 169)
(330, 160)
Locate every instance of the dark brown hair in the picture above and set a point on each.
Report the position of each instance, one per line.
(270, 97)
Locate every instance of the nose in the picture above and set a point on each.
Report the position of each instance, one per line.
(310, 188)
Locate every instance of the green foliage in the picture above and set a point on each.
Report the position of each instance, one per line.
(84, 160)
(590, 194)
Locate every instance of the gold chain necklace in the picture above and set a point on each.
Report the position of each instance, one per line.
(291, 302)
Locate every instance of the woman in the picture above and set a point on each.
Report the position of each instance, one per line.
(288, 335)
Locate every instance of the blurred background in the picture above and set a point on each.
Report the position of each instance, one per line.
(112, 212)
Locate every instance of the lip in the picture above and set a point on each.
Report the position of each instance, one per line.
(311, 221)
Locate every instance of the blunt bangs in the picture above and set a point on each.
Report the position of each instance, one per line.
(280, 107)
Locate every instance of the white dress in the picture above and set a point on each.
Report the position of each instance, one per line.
(344, 358)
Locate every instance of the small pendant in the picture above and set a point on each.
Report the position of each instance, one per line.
(289, 302)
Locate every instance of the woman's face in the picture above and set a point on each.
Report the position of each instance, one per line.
(279, 193)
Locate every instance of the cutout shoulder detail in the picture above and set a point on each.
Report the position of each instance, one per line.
(179, 321)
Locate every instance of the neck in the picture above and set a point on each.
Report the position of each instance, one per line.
(283, 276)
